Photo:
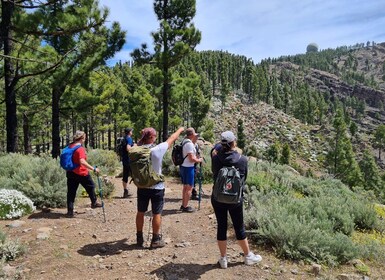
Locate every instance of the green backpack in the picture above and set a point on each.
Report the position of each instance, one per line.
(142, 172)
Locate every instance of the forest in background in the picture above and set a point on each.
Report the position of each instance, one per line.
(55, 81)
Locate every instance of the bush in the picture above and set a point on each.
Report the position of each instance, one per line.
(107, 161)
(39, 178)
(43, 180)
(304, 218)
(10, 250)
(13, 204)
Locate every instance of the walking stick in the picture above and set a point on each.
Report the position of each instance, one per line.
(101, 197)
(200, 179)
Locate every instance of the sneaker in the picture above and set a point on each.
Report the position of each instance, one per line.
(187, 209)
(157, 242)
(223, 262)
(126, 194)
(251, 259)
(139, 239)
(96, 205)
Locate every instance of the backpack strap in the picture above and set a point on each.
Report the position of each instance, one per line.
(184, 143)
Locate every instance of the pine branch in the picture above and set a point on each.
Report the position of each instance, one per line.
(50, 2)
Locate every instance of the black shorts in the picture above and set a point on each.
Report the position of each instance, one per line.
(156, 197)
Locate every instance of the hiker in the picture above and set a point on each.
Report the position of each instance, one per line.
(228, 156)
(155, 194)
(80, 175)
(128, 143)
(187, 168)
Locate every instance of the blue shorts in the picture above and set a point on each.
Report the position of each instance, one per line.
(187, 175)
(156, 197)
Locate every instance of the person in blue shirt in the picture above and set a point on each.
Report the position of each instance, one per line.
(128, 142)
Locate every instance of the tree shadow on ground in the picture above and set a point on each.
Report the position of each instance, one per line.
(170, 212)
(183, 271)
(49, 214)
(108, 248)
(46, 215)
(167, 199)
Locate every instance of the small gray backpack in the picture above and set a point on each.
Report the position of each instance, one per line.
(228, 186)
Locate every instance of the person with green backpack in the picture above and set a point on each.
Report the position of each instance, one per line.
(146, 171)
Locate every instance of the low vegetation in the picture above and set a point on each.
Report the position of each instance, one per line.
(309, 219)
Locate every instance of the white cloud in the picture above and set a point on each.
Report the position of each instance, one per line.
(260, 30)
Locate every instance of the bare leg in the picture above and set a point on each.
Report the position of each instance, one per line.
(245, 246)
(222, 245)
(156, 223)
(187, 190)
(139, 221)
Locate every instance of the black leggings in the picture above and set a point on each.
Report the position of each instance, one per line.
(236, 214)
(73, 181)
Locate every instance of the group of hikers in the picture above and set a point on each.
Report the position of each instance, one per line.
(225, 160)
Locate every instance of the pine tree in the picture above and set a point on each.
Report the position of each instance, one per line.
(241, 135)
(379, 139)
(371, 174)
(175, 39)
(341, 158)
(272, 153)
(285, 155)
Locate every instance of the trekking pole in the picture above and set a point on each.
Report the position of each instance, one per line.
(101, 196)
(200, 179)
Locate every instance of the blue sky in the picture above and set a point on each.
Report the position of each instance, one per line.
(260, 29)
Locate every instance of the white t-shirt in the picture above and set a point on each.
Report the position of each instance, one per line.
(157, 154)
(189, 147)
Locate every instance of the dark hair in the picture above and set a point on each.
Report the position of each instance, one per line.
(127, 130)
(226, 147)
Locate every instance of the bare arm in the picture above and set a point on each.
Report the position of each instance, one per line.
(174, 136)
(89, 166)
(194, 158)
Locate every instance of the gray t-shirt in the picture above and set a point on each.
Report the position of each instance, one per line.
(157, 154)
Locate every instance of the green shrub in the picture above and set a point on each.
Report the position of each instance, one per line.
(44, 181)
(304, 218)
(107, 161)
(39, 178)
(10, 250)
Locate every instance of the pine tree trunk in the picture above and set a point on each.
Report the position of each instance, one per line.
(56, 93)
(7, 9)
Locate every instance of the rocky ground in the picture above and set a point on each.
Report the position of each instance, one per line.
(86, 247)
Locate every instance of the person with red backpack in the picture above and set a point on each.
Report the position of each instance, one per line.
(80, 174)
(224, 156)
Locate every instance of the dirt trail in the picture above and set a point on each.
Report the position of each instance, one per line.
(85, 247)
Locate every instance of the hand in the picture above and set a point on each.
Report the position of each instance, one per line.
(96, 170)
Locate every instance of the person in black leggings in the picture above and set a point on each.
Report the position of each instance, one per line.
(226, 155)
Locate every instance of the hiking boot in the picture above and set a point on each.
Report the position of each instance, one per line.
(194, 197)
(251, 259)
(96, 205)
(126, 194)
(223, 262)
(70, 213)
(194, 192)
(139, 239)
(157, 242)
(187, 209)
